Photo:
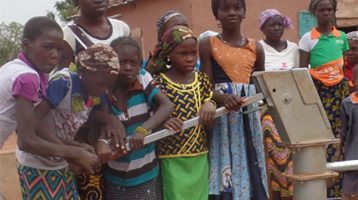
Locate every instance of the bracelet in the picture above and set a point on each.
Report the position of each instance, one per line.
(213, 102)
(142, 130)
(106, 141)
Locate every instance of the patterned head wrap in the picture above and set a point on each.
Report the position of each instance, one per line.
(269, 13)
(163, 20)
(352, 35)
(171, 39)
(98, 57)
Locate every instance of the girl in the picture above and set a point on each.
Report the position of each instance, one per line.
(24, 79)
(183, 156)
(351, 57)
(92, 26)
(237, 161)
(135, 176)
(322, 50)
(70, 98)
(24, 82)
(280, 54)
(349, 138)
(164, 23)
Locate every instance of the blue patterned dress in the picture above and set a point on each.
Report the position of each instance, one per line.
(236, 149)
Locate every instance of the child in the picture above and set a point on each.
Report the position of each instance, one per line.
(322, 49)
(70, 98)
(164, 23)
(351, 57)
(24, 80)
(280, 54)
(237, 160)
(183, 156)
(92, 26)
(135, 176)
(349, 117)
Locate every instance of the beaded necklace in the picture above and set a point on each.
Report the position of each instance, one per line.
(242, 41)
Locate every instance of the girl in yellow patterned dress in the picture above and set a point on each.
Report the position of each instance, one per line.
(183, 156)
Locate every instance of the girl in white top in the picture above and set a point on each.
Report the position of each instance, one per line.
(94, 25)
(280, 54)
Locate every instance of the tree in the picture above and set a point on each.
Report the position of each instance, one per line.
(66, 9)
(10, 41)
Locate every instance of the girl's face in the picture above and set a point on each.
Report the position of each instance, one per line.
(324, 11)
(93, 7)
(67, 55)
(352, 53)
(130, 62)
(97, 83)
(183, 57)
(274, 28)
(45, 50)
(230, 13)
(178, 20)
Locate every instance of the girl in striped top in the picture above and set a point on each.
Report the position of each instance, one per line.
(135, 176)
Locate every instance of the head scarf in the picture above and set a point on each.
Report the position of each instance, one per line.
(98, 57)
(352, 35)
(269, 13)
(163, 20)
(171, 39)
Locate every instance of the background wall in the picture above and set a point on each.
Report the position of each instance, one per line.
(144, 14)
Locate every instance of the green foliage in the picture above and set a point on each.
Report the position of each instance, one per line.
(10, 41)
(66, 9)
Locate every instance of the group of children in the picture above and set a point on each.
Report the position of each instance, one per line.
(100, 96)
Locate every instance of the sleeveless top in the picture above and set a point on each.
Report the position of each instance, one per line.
(235, 62)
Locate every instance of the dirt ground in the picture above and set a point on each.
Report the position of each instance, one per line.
(9, 183)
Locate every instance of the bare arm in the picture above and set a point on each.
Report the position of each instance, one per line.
(159, 117)
(41, 111)
(161, 114)
(304, 58)
(260, 58)
(231, 102)
(112, 127)
(205, 66)
(28, 140)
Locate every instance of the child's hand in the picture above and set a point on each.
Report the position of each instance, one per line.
(233, 102)
(88, 162)
(115, 130)
(137, 141)
(207, 113)
(87, 147)
(104, 151)
(174, 124)
(76, 169)
(119, 154)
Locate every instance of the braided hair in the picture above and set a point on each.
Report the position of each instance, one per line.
(314, 3)
(216, 3)
(163, 20)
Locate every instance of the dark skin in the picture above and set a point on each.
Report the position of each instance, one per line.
(44, 52)
(352, 53)
(95, 84)
(230, 14)
(183, 59)
(92, 17)
(273, 30)
(324, 14)
(130, 62)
